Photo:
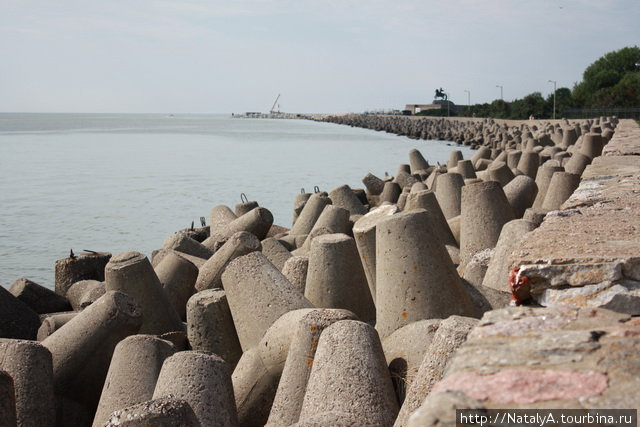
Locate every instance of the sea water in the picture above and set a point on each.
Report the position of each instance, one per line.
(121, 182)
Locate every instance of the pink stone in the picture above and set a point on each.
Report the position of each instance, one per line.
(525, 385)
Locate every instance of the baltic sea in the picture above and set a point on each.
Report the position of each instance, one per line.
(120, 182)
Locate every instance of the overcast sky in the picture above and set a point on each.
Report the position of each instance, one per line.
(321, 55)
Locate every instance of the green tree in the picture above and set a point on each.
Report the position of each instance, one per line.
(599, 86)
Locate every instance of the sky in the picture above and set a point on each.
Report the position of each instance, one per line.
(321, 56)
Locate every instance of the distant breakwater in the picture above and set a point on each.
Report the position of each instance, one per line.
(474, 132)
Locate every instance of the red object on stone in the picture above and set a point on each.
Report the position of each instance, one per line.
(519, 286)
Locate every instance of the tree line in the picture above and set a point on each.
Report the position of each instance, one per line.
(611, 81)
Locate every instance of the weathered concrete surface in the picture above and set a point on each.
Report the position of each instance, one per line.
(560, 357)
(588, 253)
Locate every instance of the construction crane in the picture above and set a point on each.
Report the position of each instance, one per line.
(274, 106)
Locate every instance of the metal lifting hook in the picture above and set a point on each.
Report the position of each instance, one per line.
(243, 198)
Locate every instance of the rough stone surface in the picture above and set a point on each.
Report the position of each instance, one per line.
(511, 235)
(450, 335)
(7, 400)
(51, 322)
(415, 277)
(336, 279)
(295, 270)
(31, 367)
(84, 292)
(203, 380)
(295, 375)
(82, 348)
(275, 252)
(37, 297)
(555, 357)
(404, 351)
(364, 233)
(17, 320)
(210, 326)
(258, 295)
(162, 412)
(85, 266)
(133, 373)
(350, 375)
(594, 240)
(210, 274)
(255, 378)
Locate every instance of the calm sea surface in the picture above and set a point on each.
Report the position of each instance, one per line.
(119, 182)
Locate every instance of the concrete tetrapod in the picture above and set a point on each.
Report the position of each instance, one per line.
(7, 401)
(350, 375)
(275, 252)
(543, 178)
(210, 325)
(182, 243)
(449, 192)
(451, 334)
(592, 145)
(417, 161)
(178, 277)
(465, 168)
(484, 210)
(162, 412)
(345, 198)
(529, 163)
(295, 270)
(298, 204)
(334, 218)
(257, 221)
(82, 348)
(426, 199)
(132, 274)
(54, 321)
(498, 271)
(85, 266)
(255, 378)
(31, 367)
(336, 279)
(364, 233)
(404, 350)
(295, 375)
(415, 277)
(204, 381)
(561, 187)
(37, 297)
(17, 320)
(373, 184)
(258, 295)
(454, 157)
(500, 172)
(219, 217)
(210, 275)
(84, 293)
(577, 163)
(132, 374)
(390, 193)
(521, 193)
(310, 214)
(243, 208)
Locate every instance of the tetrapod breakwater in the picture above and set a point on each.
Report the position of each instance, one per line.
(507, 280)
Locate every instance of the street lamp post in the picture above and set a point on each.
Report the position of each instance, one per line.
(448, 104)
(554, 97)
(501, 97)
(468, 99)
